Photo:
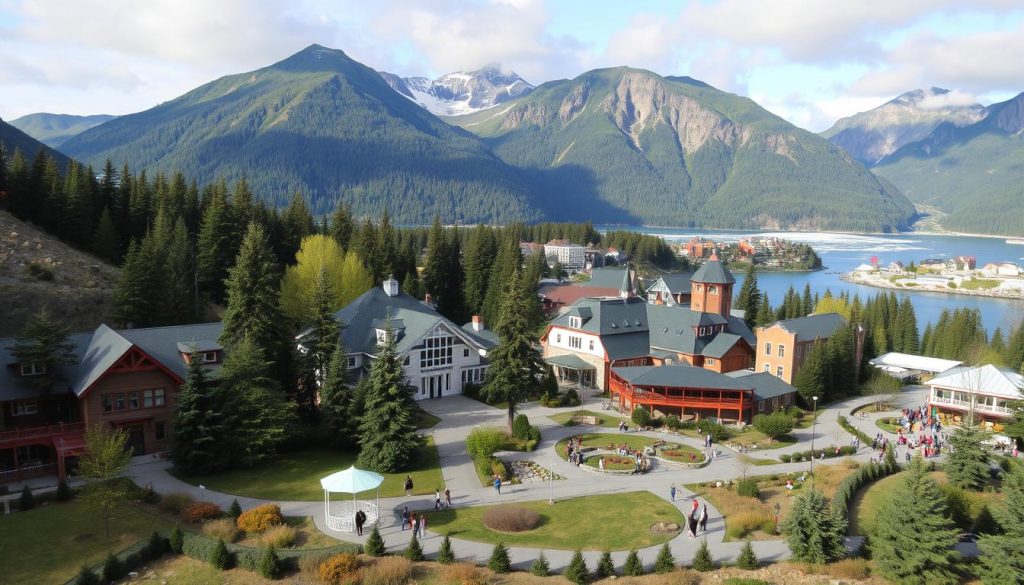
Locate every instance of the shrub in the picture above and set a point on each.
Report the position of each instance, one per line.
(540, 566)
(534, 435)
(64, 492)
(414, 552)
(499, 561)
(175, 503)
(702, 558)
(605, 566)
(774, 425)
(577, 569)
(745, 581)
(338, 569)
(27, 501)
(464, 574)
(484, 442)
(641, 417)
(234, 510)
(850, 569)
(87, 576)
(847, 450)
(510, 518)
(112, 568)
(269, 564)
(797, 457)
(671, 421)
(445, 555)
(717, 431)
(743, 523)
(199, 511)
(572, 398)
(374, 544)
(176, 540)
(748, 560)
(633, 566)
(665, 563)
(260, 518)
(156, 546)
(220, 558)
(39, 271)
(785, 458)
(521, 427)
(748, 487)
(388, 571)
(223, 528)
(281, 536)
(149, 495)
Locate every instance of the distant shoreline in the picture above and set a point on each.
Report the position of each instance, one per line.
(879, 282)
(809, 231)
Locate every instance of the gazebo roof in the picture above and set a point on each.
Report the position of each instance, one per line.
(351, 481)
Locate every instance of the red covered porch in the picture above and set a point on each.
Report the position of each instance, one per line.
(682, 400)
(26, 453)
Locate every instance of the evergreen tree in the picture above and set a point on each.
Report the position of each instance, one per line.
(322, 340)
(749, 297)
(997, 344)
(605, 566)
(105, 242)
(507, 262)
(414, 552)
(967, 463)
(540, 566)
(136, 298)
(296, 223)
(577, 571)
(217, 244)
(341, 225)
(176, 540)
(665, 562)
(1000, 558)
(921, 551)
(633, 566)
(499, 561)
(270, 564)
(43, 346)
(220, 558)
(702, 560)
(516, 364)
(387, 431)
(198, 429)
(234, 510)
(765, 315)
(436, 261)
(252, 307)
(810, 380)
(747, 559)
(906, 325)
(256, 412)
(374, 543)
(1015, 349)
(338, 425)
(814, 533)
(445, 555)
(452, 302)
(86, 576)
(177, 277)
(807, 302)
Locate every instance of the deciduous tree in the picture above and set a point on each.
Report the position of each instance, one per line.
(106, 456)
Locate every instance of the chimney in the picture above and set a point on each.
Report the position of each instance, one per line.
(391, 287)
(428, 300)
(478, 323)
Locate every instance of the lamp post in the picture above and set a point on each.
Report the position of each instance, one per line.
(814, 426)
(551, 479)
(202, 493)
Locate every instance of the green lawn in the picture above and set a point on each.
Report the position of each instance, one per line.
(607, 441)
(49, 544)
(425, 420)
(979, 283)
(867, 502)
(608, 420)
(612, 522)
(752, 436)
(296, 476)
(682, 453)
(888, 425)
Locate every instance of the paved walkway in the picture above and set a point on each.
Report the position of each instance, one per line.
(459, 415)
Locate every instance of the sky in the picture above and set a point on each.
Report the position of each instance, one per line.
(810, 62)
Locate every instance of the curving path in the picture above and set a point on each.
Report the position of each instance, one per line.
(459, 415)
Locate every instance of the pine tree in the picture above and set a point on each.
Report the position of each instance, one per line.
(452, 302)
(921, 551)
(136, 298)
(807, 301)
(414, 552)
(633, 566)
(220, 558)
(339, 428)
(177, 277)
(508, 260)
(967, 464)
(516, 364)
(374, 544)
(749, 297)
(814, 533)
(436, 261)
(665, 562)
(198, 427)
(256, 412)
(499, 561)
(217, 244)
(765, 315)
(540, 566)
(577, 570)
(702, 560)
(270, 564)
(296, 223)
(747, 559)
(176, 540)
(1000, 558)
(387, 432)
(906, 325)
(810, 380)
(86, 576)
(341, 225)
(605, 566)
(234, 510)
(44, 344)
(105, 242)
(445, 555)
(322, 340)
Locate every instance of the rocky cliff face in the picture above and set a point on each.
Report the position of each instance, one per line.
(461, 92)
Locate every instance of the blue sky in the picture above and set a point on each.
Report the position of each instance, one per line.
(809, 62)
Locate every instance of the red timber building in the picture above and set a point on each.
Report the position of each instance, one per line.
(123, 378)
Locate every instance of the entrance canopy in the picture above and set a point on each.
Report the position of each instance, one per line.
(351, 481)
(570, 362)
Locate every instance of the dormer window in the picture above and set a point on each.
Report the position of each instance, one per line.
(382, 336)
(33, 368)
(209, 357)
(575, 322)
(712, 289)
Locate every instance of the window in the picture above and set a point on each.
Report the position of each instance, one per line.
(209, 357)
(465, 352)
(575, 322)
(760, 405)
(712, 289)
(711, 361)
(437, 350)
(350, 361)
(575, 342)
(405, 362)
(798, 350)
(118, 401)
(778, 371)
(591, 345)
(558, 338)
(767, 349)
(381, 336)
(32, 368)
(133, 400)
(782, 351)
(24, 407)
(768, 368)
(159, 430)
(108, 402)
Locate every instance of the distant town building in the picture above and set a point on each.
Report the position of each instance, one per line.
(697, 247)
(670, 289)
(965, 262)
(530, 248)
(571, 256)
(905, 366)
(783, 345)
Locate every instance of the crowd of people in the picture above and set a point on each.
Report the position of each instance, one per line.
(574, 453)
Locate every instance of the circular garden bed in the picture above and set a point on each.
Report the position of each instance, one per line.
(612, 462)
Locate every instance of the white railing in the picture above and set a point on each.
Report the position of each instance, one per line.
(977, 406)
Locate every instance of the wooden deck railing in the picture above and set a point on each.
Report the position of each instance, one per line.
(24, 473)
(37, 432)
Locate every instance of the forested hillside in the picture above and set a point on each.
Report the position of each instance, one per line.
(13, 140)
(327, 126)
(626, 145)
(975, 174)
(55, 129)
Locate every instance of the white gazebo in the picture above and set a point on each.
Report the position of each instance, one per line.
(350, 481)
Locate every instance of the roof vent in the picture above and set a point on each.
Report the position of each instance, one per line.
(637, 322)
(625, 322)
(665, 330)
(614, 325)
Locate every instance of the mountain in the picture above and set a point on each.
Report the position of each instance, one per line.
(462, 92)
(974, 173)
(14, 139)
(872, 135)
(320, 123)
(55, 129)
(623, 145)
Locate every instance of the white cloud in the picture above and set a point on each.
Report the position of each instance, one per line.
(946, 100)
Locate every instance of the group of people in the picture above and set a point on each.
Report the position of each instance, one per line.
(574, 450)
(410, 520)
(697, 521)
(447, 499)
(623, 426)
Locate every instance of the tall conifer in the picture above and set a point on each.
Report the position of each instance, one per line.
(198, 426)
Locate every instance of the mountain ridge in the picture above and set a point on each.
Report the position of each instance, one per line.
(461, 92)
(54, 130)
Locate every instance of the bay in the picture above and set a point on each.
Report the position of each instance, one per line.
(842, 252)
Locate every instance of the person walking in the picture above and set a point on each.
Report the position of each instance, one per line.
(415, 526)
(672, 492)
(691, 524)
(405, 517)
(497, 484)
(408, 485)
(703, 520)
(360, 520)
(423, 526)
(437, 499)
(696, 505)
(447, 498)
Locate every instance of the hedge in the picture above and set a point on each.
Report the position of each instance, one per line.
(854, 431)
(133, 557)
(854, 482)
(200, 547)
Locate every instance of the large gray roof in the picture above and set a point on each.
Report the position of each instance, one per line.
(714, 272)
(617, 278)
(765, 385)
(814, 326)
(14, 387)
(678, 283)
(679, 376)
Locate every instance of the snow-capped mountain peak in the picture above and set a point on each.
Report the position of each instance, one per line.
(461, 92)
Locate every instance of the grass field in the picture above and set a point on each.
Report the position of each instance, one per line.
(682, 454)
(50, 544)
(608, 420)
(608, 441)
(296, 476)
(612, 522)
(888, 425)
